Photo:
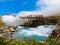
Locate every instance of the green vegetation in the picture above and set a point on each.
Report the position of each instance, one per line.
(53, 41)
(4, 41)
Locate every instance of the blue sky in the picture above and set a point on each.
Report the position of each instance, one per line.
(45, 7)
(15, 6)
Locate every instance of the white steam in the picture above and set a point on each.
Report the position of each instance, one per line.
(27, 13)
(48, 7)
(12, 20)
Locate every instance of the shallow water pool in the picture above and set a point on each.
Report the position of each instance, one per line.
(39, 33)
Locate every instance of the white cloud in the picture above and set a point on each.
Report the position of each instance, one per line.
(48, 7)
(12, 20)
(15, 20)
(8, 19)
(44, 7)
(27, 13)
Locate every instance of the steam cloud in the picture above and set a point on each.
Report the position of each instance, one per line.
(44, 7)
(48, 7)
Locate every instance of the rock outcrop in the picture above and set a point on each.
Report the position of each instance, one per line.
(42, 21)
(56, 33)
(7, 32)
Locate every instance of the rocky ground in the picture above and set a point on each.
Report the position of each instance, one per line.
(7, 32)
(42, 21)
(56, 33)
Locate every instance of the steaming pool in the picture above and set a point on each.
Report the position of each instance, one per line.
(38, 33)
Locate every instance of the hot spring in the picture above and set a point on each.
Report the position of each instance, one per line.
(38, 33)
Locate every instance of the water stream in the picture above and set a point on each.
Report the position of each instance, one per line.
(39, 33)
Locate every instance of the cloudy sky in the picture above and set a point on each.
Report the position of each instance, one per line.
(27, 7)
(44, 7)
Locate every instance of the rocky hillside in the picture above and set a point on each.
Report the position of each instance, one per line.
(56, 33)
(42, 21)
